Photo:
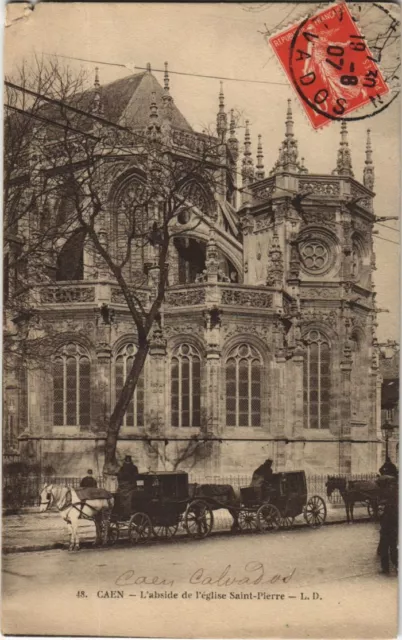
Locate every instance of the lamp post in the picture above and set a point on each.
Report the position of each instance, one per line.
(387, 428)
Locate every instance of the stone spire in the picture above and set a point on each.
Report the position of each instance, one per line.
(167, 98)
(97, 106)
(167, 102)
(368, 171)
(221, 118)
(288, 152)
(260, 172)
(154, 125)
(233, 142)
(344, 160)
(248, 166)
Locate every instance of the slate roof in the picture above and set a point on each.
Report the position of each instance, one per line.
(126, 101)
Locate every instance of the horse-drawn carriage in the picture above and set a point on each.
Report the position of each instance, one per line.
(158, 504)
(277, 504)
(161, 503)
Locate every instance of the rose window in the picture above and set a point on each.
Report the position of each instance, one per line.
(315, 255)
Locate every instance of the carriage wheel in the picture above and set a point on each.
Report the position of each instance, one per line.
(198, 519)
(247, 520)
(315, 511)
(113, 533)
(139, 528)
(286, 522)
(165, 530)
(268, 517)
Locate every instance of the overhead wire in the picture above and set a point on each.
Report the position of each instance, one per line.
(381, 224)
(178, 73)
(387, 240)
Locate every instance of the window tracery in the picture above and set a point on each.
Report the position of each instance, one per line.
(243, 387)
(186, 387)
(71, 386)
(317, 381)
(134, 416)
(196, 194)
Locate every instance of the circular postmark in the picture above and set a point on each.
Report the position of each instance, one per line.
(335, 68)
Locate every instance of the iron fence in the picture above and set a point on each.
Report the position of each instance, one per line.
(23, 491)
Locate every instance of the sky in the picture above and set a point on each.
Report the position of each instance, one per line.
(224, 40)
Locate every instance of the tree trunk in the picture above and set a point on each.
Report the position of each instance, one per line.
(117, 417)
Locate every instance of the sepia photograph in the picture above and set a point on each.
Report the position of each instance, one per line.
(201, 294)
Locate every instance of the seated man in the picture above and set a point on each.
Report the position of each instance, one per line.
(262, 476)
(127, 481)
(127, 475)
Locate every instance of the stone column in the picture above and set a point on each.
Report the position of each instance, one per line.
(212, 398)
(278, 417)
(345, 446)
(298, 393)
(213, 364)
(155, 396)
(102, 407)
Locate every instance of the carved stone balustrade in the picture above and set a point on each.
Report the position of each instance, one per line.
(89, 294)
(66, 294)
(84, 294)
(223, 294)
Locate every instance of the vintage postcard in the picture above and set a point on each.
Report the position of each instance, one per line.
(201, 320)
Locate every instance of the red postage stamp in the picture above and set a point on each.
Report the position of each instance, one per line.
(328, 62)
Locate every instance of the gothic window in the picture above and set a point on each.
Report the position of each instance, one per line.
(70, 261)
(135, 413)
(186, 387)
(317, 381)
(356, 258)
(71, 386)
(243, 387)
(195, 194)
(133, 219)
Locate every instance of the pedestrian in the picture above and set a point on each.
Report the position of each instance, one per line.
(388, 468)
(388, 547)
(89, 481)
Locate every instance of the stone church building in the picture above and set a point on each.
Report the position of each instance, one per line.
(267, 345)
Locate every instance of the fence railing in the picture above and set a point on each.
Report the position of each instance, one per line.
(23, 491)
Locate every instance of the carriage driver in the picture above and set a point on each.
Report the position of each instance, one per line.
(127, 475)
(262, 476)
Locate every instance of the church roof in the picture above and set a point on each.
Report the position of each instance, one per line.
(126, 101)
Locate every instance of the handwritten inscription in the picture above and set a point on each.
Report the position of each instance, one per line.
(253, 573)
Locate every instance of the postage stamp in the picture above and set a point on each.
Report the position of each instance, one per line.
(330, 65)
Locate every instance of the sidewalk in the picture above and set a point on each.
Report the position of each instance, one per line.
(34, 531)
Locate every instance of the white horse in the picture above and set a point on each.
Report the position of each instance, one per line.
(72, 509)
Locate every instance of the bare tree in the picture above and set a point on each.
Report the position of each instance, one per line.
(77, 154)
